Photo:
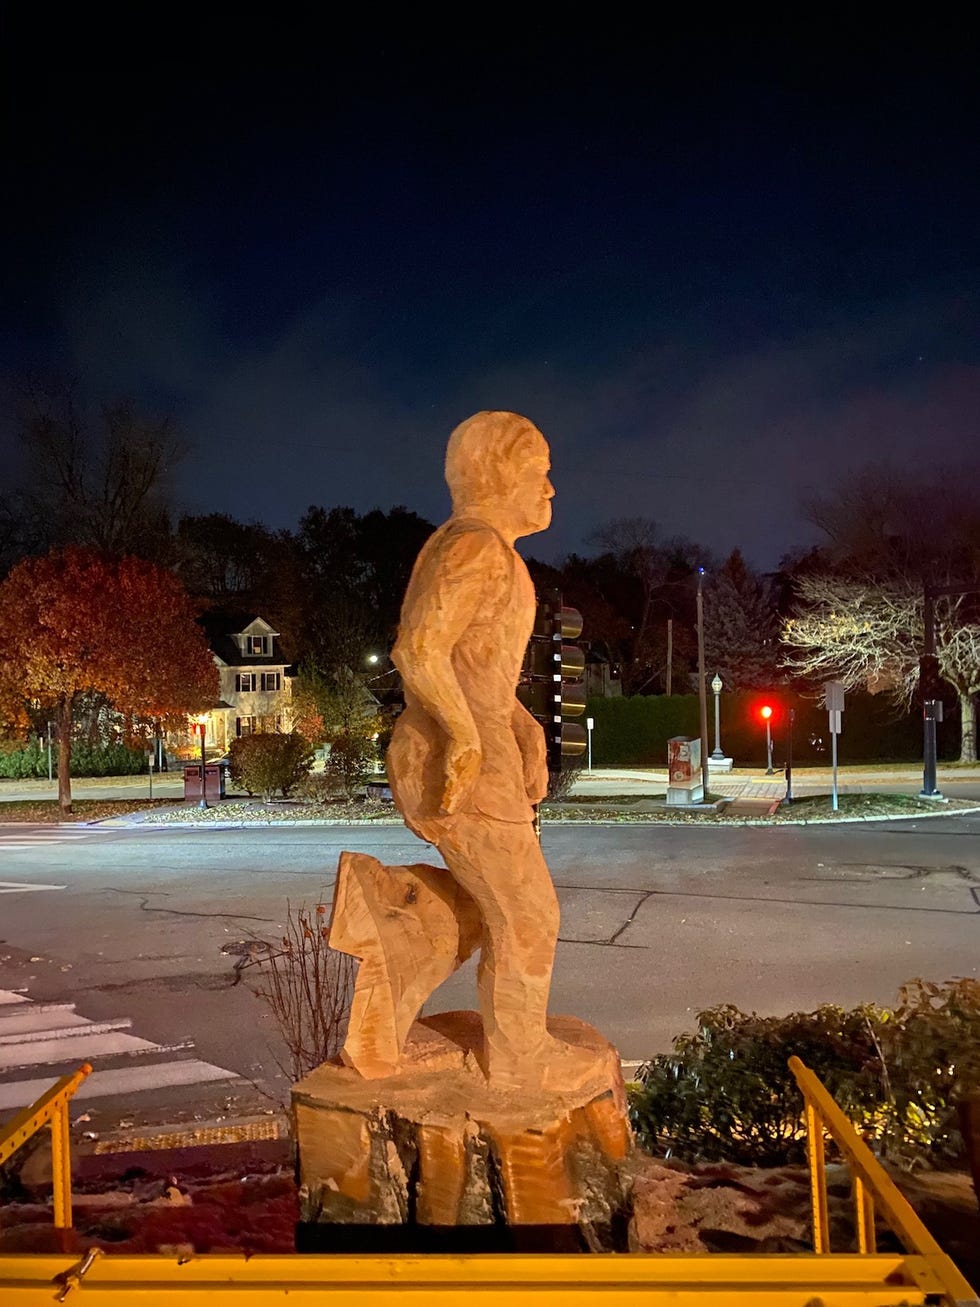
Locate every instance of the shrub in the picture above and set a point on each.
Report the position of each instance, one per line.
(86, 760)
(931, 1051)
(309, 987)
(269, 763)
(726, 1093)
(316, 788)
(349, 762)
(560, 783)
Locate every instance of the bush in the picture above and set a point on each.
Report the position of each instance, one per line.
(86, 760)
(316, 788)
(560, 783)
(309, 987)
(269, 763)
(349, 763)
(105, 760)
(726, 1093)
(932, 1057)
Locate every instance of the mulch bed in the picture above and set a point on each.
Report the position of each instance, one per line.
(678, 1208)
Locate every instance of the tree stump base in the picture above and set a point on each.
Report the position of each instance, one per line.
(433, 1158)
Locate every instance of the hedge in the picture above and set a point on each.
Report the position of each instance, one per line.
(107, 760)
(634, 731)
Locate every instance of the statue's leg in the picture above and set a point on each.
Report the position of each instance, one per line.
(502, 868)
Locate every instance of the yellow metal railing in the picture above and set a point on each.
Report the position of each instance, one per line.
(924, 1275)
(872, 1185)
(51, 1109)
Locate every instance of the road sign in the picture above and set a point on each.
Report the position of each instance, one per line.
(833, 697)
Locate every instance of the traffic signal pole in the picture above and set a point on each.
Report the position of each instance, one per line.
(927, 672)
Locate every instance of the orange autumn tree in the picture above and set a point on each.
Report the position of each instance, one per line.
(77, 622)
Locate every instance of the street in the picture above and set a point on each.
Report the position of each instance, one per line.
(128, 926)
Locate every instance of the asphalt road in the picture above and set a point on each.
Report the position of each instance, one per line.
(657, 922)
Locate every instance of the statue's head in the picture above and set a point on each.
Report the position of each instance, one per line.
(497, 465)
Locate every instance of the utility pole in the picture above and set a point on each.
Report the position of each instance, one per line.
(928, 684)
(702, 688)
(670, 651)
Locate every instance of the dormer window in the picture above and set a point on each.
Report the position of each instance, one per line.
(257, 645)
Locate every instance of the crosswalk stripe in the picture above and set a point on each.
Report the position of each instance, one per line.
(83, 1048)
(23, 887)
(53, 832)
(121, 1080)
(23, 1015)
(54, 1033)
(65, 1030)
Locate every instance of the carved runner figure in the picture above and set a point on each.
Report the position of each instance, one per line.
(466, 764)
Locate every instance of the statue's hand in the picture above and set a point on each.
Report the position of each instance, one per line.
(462, 768)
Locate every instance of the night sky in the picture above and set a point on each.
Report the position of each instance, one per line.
(718, 267)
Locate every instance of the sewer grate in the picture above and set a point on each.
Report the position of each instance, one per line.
(250, 1132)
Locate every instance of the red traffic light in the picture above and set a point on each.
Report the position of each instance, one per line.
(765, 712)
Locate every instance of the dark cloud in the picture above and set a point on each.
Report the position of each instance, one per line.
(717, 270)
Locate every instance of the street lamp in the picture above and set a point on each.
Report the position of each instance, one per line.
(200, 723)
(716, 691)
(765, 712)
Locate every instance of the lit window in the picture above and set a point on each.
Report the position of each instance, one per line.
(256, 644)
(245, 726)
(244, 682)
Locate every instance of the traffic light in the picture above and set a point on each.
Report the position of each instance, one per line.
(552, 687)
(766, 715)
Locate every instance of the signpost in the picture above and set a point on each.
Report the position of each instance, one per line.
(149, 760)
(833, 697)
(589, 723)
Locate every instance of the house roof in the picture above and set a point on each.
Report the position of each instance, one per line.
(221, 629)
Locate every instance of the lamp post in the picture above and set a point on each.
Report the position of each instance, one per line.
(201, 724)
(766, 712)
(702, 687)
(716, 691)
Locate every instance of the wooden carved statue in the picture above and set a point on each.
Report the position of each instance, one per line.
(467, 763)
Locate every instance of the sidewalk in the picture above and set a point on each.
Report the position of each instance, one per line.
(753, 783)
(749, 791)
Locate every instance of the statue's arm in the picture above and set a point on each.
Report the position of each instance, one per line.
(530, 740)
(444, 598)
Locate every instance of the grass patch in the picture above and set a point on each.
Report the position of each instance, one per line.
(816, 807)
(620, 800)
(48, 810)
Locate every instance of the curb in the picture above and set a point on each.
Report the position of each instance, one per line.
(762, 821)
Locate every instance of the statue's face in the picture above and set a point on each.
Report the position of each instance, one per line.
(533, 492)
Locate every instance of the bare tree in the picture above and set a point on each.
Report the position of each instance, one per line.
(869, 635)
(891, 534)
(658, 572)
(107, 489)
(896, 525)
